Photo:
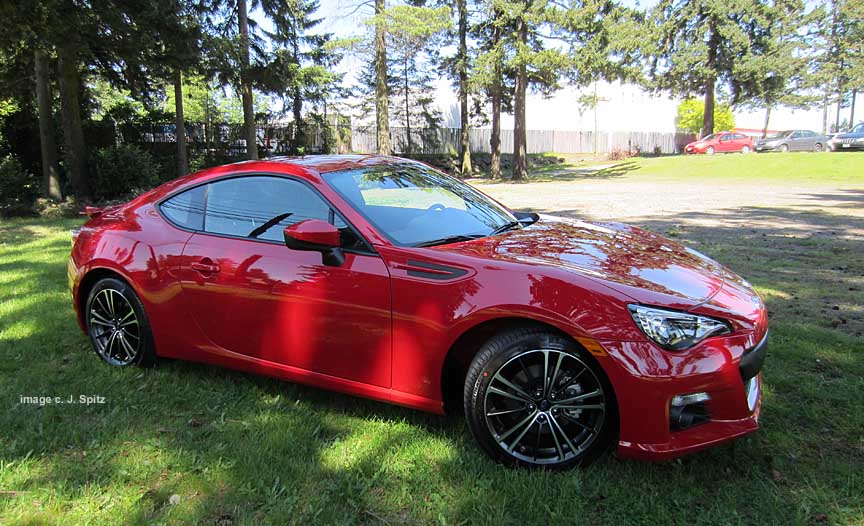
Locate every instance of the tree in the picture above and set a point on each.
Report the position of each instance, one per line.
(694, 46)
(50, 168)
(588, 51)
(249, 130)
(838, 62)
(462, 72)
(778, 75)
(488, 79)
(382, 119)
(301, 68)
(410, 31)
(691, 116)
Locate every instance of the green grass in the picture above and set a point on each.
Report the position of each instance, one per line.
(240, 449)
(798, 167)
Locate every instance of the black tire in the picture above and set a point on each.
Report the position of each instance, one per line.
(818, 147)
(118, 326)
(579, 435)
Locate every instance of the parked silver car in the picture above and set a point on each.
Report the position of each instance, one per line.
(793, 141)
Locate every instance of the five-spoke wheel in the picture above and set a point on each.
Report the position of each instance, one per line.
(535, 398)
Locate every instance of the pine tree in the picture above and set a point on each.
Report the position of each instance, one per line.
(302, 60)
(695, 45)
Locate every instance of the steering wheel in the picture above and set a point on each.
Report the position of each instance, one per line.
(437, 207)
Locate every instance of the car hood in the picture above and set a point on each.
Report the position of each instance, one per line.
(640, 264)
(849, 135)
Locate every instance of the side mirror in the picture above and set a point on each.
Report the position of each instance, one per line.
(317, 236)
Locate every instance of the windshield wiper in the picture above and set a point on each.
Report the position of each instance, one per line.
(447, 240)
(505, 227)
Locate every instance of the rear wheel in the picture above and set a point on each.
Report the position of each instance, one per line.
(745, 149)
(534, 398)
(118, 326)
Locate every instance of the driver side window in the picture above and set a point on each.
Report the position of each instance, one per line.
(261, 207)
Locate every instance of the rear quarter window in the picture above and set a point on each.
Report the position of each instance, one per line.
(186, 209)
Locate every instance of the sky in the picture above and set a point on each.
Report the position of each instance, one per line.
(626, 108)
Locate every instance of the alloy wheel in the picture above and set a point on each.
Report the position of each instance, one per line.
(545, 406)
(114, 327)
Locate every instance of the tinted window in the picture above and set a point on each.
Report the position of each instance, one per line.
(186, 209)
(413, 204)
(739, 136)
(262, 206)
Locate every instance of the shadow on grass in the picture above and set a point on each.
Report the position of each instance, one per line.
(191, 444)
(564, 173)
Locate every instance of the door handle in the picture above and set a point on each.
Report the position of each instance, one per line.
(205, 266)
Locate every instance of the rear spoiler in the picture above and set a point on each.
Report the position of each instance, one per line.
(92, 211)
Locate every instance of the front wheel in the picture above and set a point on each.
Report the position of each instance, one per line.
(534, 398)
(818, 147)
(709, 150)
(118, 326)
(784, 148)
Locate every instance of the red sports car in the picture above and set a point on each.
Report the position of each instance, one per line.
(384, 278)
(721, 142)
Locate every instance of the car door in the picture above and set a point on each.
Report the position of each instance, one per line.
(252, 295)
(726, 144)
(797, 142)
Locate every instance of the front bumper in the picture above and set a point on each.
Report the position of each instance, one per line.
(646, 378)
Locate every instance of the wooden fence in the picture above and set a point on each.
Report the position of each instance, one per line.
(227, 139)
(446, 140)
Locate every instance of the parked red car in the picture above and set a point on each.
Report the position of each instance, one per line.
(721, 142)
(384, 278)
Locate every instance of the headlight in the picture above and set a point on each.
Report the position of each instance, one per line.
(676, 330)
(859, 139)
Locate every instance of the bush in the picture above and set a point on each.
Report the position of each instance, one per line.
(619, 154)
(120, 171)
(18, 188)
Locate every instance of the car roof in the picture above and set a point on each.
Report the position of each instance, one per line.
(308, 166)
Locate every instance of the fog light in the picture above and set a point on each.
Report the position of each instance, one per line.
(688, 410)
(694, 398)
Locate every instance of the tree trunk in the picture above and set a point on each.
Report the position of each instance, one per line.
(767, 118)
(407, 106)
(708, 113)
(825, 113)
(495, 138)
(462, 61)
(382, 119)
(297, 105)
(245, 85)
(520, 135)
(180, 124)
(50, 169)
(852, 109)
(837, 115)
(708, 116)
(75, 152)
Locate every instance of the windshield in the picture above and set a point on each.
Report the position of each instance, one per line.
(708, 137)
(780, 135)
(415, 205)
(859, 128)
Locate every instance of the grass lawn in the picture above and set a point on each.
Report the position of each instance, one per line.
(190, 444)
